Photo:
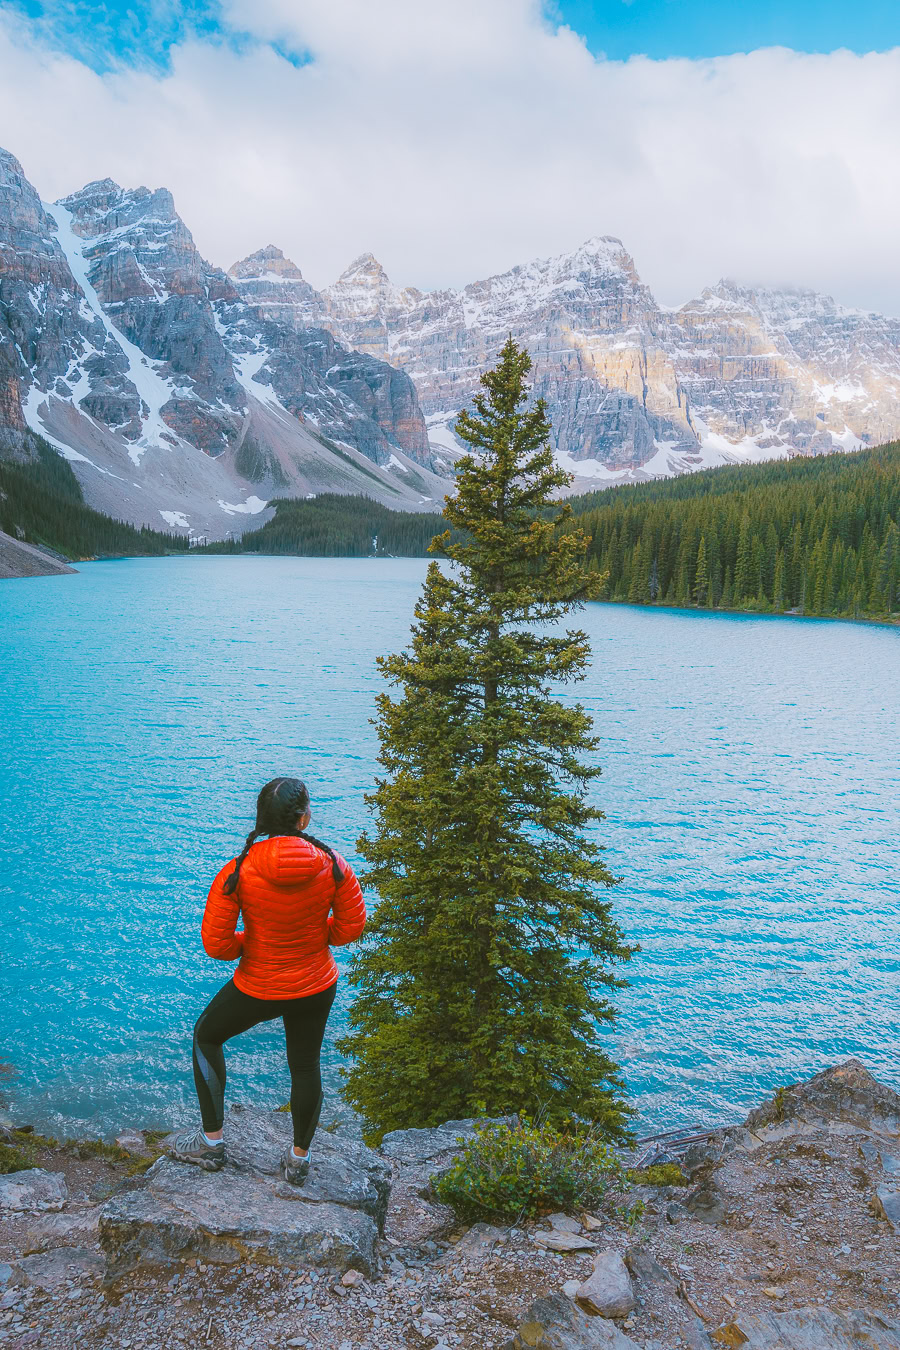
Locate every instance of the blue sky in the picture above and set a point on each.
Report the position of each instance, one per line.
(698, 28)
(104, 33)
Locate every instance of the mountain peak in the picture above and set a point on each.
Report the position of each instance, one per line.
(268, 261)
(365, 270)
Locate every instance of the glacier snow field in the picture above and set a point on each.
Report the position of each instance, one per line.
(750, 783)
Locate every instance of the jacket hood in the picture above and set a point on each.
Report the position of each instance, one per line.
(286, 860)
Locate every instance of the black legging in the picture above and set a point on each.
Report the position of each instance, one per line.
(232, 1012)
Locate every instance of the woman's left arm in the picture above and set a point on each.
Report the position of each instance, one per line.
(348, 909)
(220, 918)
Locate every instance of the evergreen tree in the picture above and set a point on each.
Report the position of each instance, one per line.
(743, 567)
(778, 581)
(701, 575)
(485, 977)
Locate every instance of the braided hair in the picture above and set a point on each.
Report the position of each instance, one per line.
(277, 808)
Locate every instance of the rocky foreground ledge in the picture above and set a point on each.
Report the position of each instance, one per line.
(785, 1237)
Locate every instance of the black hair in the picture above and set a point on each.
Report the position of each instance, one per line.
(277, 808)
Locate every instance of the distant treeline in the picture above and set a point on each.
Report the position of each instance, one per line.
(41, 500)
(817, 535)
(331, 526)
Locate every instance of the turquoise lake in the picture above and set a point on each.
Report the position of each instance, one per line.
(750, 783)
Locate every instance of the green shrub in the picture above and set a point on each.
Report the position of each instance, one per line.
(660, 1174)
(513, 1171)
(17, 1155)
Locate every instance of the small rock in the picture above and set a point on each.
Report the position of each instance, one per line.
(352, 1279)
(706, 1202)
(564, 1223)
(676, 1212)
(885, 1204)
(647, 1270)
(773, 1291)
(571, 1287)
(133, 1142)
(556, 1241)
(608, 1291)
(474, 1247)
(591, 1223)
(34, 1189)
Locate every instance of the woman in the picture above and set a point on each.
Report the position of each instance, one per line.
(298, 900)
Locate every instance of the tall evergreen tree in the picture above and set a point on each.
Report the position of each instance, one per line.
(701, 575)
(492, 953)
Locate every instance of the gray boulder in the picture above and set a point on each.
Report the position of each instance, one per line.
(420, 1146)
(555, 1323)
(32, 1190)
(246, 1211)
(50, 1270)
(846, 1095)
(71, 1228)
(707, 1202)
(646, 1269)
(607, 1292)
(810, 1329)
(886, 1205)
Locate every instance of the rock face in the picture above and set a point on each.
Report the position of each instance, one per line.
(633, 389)
(177, 404)
(246, 1212)
(32, 1191)
(810, 1329)
(846, 1094)
(555, 1323)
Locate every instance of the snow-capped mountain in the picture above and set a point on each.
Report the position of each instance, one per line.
(174, 400)
(633, 389)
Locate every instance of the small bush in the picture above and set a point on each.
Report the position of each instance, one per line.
(514, 1171)
(17, 1155)
(660, 1174)
(97, 1148)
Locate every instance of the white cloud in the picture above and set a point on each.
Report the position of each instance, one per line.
(455, 139)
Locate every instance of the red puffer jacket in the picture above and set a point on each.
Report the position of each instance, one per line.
(293, 912)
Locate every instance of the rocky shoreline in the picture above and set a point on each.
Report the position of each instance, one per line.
(784, 1235)
(18, 559)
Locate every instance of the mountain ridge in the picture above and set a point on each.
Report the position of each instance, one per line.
(174, 402)
(635, 389)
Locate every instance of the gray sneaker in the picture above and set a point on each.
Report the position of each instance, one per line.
(294, 1169)
(192, 1146)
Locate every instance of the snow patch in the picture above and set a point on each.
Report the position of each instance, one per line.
(176, 518)
(32, 410)
(153, 390)
(251, 507)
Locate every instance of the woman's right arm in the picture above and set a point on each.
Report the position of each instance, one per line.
(348, 909)
(220, 919)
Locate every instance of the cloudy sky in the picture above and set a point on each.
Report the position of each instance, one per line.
(455, 138)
